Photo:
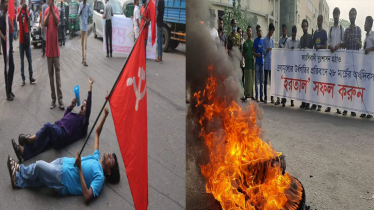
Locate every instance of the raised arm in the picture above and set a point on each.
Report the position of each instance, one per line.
(89, 101)
(99, 128)
(87, 193)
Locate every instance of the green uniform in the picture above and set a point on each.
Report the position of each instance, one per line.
(249, 71)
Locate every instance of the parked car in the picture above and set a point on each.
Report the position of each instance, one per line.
(98, 13)
(36, 31)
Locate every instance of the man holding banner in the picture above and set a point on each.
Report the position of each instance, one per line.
(267, 47)
(335, 39)
(306, 42)
(352, 39)
(6, 36)
(368, 44)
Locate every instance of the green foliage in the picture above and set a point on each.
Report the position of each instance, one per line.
(243, 19)
(344, 23)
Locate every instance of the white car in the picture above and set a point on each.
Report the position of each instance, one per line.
(98, 12)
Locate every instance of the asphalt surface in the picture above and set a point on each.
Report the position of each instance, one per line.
(166, 126)
(331, 154)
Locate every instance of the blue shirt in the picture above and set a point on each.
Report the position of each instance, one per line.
(268, 43)
(92, 171)
(257, 45)
(84, 16)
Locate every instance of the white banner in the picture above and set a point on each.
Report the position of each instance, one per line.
(343, 79)
(123, 37)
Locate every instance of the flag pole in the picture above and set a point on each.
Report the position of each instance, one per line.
(114, 86)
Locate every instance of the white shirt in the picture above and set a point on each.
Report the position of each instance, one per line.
(214, 34)
(32, 19)
(292, 43)
(369, 40)
(108, 11)
(336, 35)
(136, 17)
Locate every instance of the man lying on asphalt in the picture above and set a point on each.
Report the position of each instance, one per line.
(69, 129)
(62, 176)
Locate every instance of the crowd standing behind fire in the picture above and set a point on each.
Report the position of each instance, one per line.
(260, 49)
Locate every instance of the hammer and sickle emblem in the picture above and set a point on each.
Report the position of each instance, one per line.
(131, 81)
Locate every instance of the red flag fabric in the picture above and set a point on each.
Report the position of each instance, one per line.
(152, 10)
(11, 9)
(128, 104)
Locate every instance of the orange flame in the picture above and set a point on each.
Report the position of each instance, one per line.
(240, 173)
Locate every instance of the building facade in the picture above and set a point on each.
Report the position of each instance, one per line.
(267, 11)
(292, 12)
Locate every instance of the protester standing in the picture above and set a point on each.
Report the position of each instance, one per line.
(44, 32)
(335, 39)
(283, 39)
(249, 71)
(259, 72)
(160, 23)
(84, 12)
(32, 17)
(53, 52)
(368, 44)
(241, 42)
(320, 42)
(352, 39)
(221, 34)
(8, 75)
(108, 14)
(292, 43)
(24, 40)
(62, 22)
(234, 37)
(282, 42)
(268, 45)
(136, 19)
(146, 19)
(306, 42)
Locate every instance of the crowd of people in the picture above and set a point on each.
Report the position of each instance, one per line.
(87, 177)
(256, 53)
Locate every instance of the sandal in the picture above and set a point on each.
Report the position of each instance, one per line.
(15, 164)
(12, 173)
(85, 64)
(157, 59)
(17, 150)
(23, 139)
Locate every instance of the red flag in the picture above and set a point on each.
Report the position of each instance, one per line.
(152, 12)
(128, 104)
(11, 10)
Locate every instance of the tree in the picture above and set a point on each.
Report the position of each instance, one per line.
(344, 23)
(243, 19)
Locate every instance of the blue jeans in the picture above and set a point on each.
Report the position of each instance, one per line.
(159, 41)
(41, 174)
(49, 135)
(22, 50)
(259, 78)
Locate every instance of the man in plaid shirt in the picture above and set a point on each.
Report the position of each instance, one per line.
(352, 39)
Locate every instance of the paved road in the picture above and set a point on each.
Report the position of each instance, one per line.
(166, 126)
(330, 154)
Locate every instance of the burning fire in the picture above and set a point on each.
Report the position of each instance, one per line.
(243, 171)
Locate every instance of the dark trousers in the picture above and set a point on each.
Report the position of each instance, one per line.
(267, 76)
(43, 47)
(108, 36)
(8, 76)
(243, 77)
(49, 135)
